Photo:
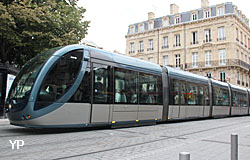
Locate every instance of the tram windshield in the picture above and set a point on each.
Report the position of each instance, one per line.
(24, 81)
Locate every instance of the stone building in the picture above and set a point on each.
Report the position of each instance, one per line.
(211, 41)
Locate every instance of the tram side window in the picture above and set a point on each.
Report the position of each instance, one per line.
(102, 89)
(150, 89)
(183, 94)
(83, 93)
(203, 96)
(243, 101)
(59, 79)
(192, 94)
(239, 99)
(174, 92)
(221, 96)
(126, 84)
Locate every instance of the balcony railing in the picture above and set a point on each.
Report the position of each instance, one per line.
(165, 46)
(150, 49)
(217, 63)
(131, 52)
(194, 42)
(221, 38)
(140, 50)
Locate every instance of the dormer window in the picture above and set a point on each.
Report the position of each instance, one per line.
(141, 28)
(207, 14)
(132, 30)
(194, 16)
(165, 23)
(220, 11)
(151, 26)
(177, 20)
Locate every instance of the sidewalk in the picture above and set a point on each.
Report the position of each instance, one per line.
(4, 121)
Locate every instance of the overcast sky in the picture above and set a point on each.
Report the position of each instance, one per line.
(110, 18)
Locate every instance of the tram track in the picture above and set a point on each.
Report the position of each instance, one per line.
(138, 134)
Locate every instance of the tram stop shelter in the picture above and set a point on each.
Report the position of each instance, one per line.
(7, 75)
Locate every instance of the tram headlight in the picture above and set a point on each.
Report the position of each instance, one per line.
(9, 106)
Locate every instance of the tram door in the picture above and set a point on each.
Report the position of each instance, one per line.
(102, 93)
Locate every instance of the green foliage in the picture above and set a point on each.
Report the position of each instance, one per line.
(28, 27)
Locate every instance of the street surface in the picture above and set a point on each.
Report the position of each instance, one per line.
(204, 139)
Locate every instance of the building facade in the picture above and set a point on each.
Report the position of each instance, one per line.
(211, 41)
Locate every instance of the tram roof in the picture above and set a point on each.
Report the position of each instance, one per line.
(126, 61)
(183, 75)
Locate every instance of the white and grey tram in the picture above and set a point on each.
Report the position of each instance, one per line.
(80, 86)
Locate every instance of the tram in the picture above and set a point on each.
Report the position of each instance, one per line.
(80, 86)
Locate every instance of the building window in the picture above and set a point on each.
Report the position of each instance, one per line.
(177, 40)
(237, 34)
(222, 57)
(245, 37)
(221, 33)
(177, 20)
(132, 30)
(194, 16)
(177, 60)
(165, 42)
(165, 23)
(195, 59)
(207, 14)
(132, 47)
(208, 58)
(246, 81)
(220, 11)
(208, 35)
(151, 26)
(242, 76)
(151, 46)
(141, 28)
(238, 78)
(151, 59)
(141, 49)
(165, 58)
(223, 76)
(241, 37)
(195, 37)
(208, 74)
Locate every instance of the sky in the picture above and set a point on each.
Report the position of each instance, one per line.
(110, 18)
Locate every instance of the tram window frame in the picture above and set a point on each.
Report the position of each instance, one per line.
(125, 89)
(150, 91)
(223, 100)
(105, 83)
(83, 93)
(51, 91)
(238, 99)
(174, 91)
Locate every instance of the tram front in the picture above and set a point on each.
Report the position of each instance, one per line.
(43, 85)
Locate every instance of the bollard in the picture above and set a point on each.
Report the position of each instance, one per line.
(234, 146)
(184, 156)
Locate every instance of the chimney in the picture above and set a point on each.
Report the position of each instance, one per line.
(151, 15)
(204, 3)
(174, 9)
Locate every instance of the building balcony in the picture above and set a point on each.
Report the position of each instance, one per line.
(207, 40)
(165, 46)
(131, 52)
(218, 63)
(194, 42)
(221, 38)
(140, 50)
(176, 45)
(150, 49)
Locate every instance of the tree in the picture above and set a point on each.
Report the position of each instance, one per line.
(29, 27)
